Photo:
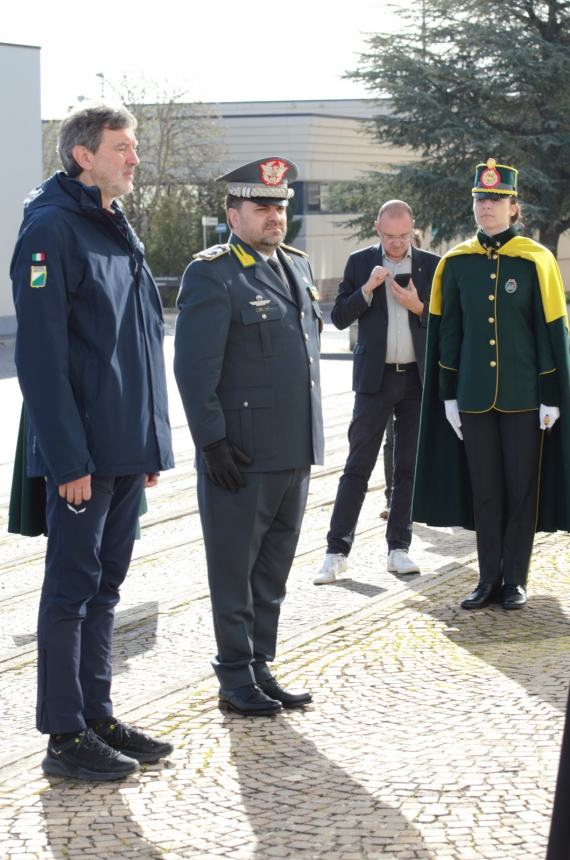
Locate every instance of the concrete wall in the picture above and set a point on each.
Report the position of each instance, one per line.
(20, 155)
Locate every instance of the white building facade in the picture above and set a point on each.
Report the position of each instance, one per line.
(20, 155)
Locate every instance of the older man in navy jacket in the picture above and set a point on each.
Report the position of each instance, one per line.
(90, 365)
(386, 288)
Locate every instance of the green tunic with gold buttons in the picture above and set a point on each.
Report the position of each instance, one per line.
(497, 339)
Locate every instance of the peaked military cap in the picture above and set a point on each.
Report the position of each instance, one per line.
(264, 181)
(492, 179)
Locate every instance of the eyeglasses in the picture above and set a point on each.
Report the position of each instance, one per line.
(405, 237)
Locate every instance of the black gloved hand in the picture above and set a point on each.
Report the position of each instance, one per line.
(220, 458)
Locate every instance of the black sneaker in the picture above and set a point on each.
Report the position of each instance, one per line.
(86, 756)
(129, 740)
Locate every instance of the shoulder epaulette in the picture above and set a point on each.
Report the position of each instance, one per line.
(212, 253)
(293, 250)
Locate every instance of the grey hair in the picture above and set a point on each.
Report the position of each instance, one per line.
(84, 127)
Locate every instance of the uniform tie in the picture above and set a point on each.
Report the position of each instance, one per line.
(274, 264)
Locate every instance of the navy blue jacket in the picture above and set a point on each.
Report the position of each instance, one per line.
(89, 343)
(247, 356)
(350, 305)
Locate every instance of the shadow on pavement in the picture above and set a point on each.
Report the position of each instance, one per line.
(359, 587)
(529, 646)
(135, 638)
(95, 823)
(443, 543)
(300, 802)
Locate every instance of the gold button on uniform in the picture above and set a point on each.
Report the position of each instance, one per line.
(302, 315)
(493, 363)
(306, 337)
(494, 257)
(491, 298)
(493, 276)
(491, 319)
(245, 403)
(492, 342)
(263, 316)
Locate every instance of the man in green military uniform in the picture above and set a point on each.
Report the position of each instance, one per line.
(498, 359)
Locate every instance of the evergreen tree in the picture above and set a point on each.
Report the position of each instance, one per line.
(464, 80)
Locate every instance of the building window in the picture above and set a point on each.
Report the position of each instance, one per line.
(324, 198)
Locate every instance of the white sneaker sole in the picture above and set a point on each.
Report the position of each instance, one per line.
(392, 569)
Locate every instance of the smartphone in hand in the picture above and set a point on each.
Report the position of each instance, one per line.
(402, 280)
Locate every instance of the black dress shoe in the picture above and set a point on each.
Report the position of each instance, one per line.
(249, 701)
(514, 596)
(289, 700)
(485, 593)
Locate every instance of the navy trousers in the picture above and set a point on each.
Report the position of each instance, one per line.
(88, 554)
(401, 394)
(250, 538)
(503, 456)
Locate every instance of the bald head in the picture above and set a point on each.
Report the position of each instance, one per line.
(396, 207)
(395, 226)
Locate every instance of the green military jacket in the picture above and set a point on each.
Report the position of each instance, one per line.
(528, 364)
(494, 348)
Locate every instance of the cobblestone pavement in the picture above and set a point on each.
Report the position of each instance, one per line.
(434, 732)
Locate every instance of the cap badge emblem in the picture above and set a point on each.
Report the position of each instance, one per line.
(272, 172)
(490, 177)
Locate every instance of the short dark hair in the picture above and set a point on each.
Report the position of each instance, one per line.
(84, 127)
(233, 202)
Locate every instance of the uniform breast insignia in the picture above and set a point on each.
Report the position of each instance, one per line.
(511, 285)
(212, 253)
(258, 302)
(312, 291)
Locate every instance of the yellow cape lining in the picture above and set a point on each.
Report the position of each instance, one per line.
(549, 277)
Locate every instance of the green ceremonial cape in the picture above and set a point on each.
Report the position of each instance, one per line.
(27, 511)
(442, 488)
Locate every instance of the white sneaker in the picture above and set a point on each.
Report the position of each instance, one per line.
(334, 565)
(400, 562)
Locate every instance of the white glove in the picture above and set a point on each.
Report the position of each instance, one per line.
(452, 415)
(548, 416)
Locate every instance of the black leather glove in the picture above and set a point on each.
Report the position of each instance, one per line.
(221, 460)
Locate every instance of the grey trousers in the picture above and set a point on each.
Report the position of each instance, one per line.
(250, 537)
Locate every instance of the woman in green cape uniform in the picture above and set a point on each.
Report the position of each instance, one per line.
(496, 399)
